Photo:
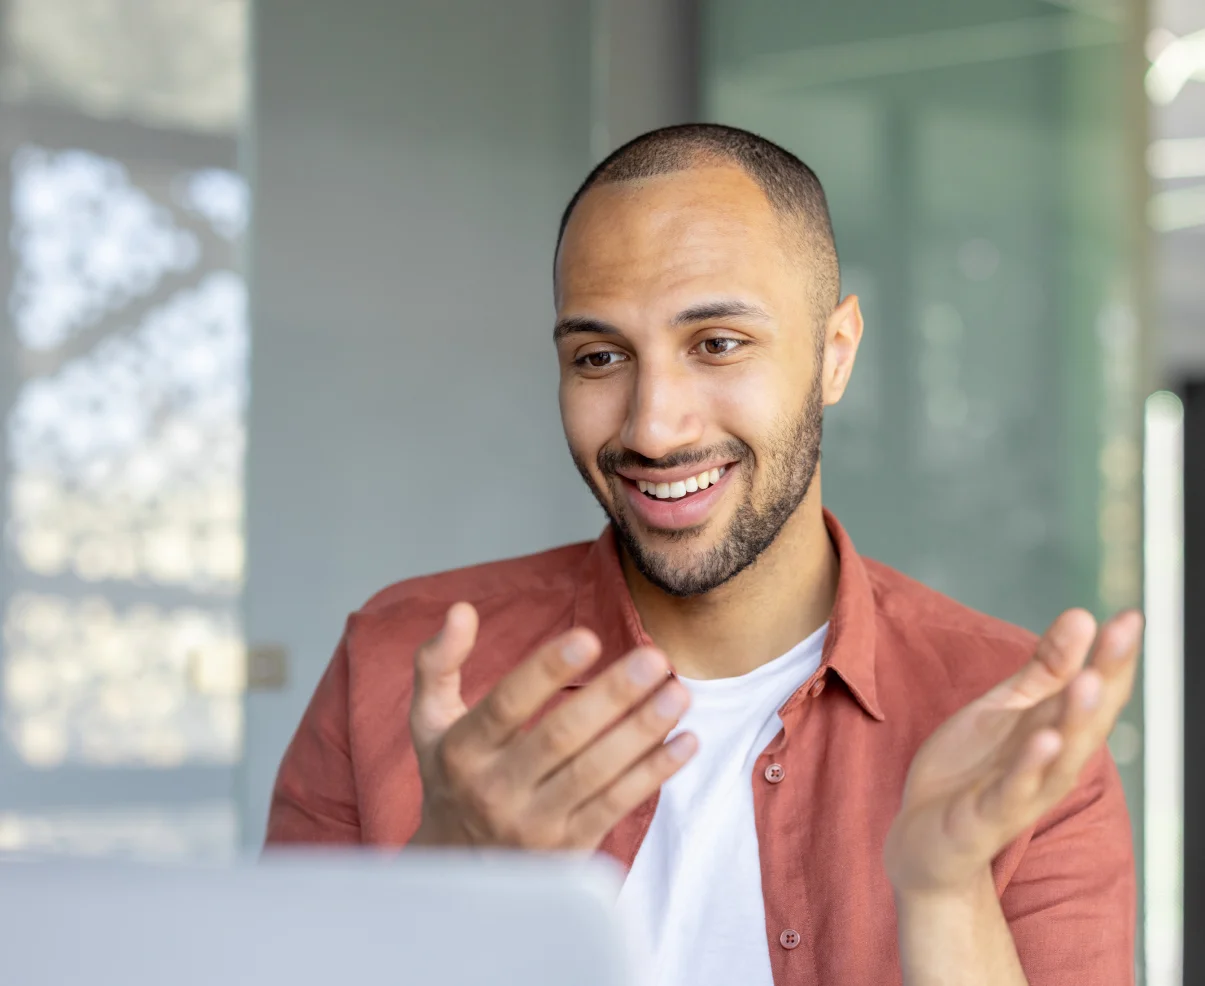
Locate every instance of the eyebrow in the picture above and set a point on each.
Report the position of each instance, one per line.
(726, 308)
(704, 312)
(582, 323)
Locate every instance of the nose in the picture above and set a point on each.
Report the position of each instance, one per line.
(663, 412)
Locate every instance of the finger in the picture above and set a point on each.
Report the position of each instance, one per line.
(521, 693)
(1012, 802)
(1117, 645)
(567, 729)
(1094, 701)
(437, 703)
(605, 761)
(1078, 726)
(1060, 653)
(1114, 656)
(591, 823)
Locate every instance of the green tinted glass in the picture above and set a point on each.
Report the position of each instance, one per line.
(977, 162)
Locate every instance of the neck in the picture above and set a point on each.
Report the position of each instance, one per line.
(760, 614)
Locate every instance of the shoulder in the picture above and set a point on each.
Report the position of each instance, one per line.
(520, 603)
(552, 570)
(939, 651)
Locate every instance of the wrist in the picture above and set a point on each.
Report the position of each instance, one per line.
(956, 934)
(970, 893)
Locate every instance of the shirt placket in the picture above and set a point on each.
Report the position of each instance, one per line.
(781, 782)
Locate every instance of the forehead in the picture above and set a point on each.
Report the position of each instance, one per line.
(706, 228)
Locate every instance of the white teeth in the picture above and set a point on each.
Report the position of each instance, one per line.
(679, 488)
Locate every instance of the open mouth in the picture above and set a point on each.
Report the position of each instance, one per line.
(682, 488)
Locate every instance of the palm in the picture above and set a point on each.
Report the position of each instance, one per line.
(995, 766)
(972, 744)
(950, 770)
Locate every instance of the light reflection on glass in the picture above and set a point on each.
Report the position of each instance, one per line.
(125, 448)
(204, 831)
(88, 243)
(127, 462)
(220, 196)
(87, 681)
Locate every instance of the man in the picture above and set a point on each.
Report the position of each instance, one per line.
(863, 781)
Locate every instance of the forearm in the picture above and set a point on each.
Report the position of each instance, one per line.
(950, 939)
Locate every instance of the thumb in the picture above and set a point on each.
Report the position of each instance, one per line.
(1058, 658)
(437, 702)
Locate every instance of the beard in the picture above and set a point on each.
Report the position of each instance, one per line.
(788, 461)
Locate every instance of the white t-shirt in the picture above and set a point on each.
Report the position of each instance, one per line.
(693, 898)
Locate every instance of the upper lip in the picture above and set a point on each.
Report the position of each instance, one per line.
(671, 475)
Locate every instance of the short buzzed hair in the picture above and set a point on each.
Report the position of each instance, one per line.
(792, 188)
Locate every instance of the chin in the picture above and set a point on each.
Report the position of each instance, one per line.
(659, 541)
(675, 568)
(674, 555)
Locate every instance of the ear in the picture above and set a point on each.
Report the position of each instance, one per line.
(842, 334)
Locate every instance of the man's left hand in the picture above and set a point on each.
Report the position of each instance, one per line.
(996, 766)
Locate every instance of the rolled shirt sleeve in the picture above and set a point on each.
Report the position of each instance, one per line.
(1071, 900)
(314, 800)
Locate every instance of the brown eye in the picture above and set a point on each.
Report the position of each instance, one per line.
(599, 361)
(720, 347)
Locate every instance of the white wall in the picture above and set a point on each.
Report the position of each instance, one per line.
(410, 161)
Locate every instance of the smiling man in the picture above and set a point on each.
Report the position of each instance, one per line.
(815, 770)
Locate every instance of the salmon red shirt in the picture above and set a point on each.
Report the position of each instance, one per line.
(899, 659)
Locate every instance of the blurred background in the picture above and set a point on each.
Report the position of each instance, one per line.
(276, 333)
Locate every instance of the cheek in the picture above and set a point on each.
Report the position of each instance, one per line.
(748, 405)
(591, 414)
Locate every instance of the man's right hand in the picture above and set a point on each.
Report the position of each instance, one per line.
(567, 781)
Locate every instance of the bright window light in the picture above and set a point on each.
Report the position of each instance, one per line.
(1163, 683)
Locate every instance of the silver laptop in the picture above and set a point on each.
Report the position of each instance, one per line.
(314, 921)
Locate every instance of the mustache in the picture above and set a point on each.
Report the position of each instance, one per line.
(611, 460)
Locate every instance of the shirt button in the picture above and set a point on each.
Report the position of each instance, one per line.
(775, 773)
(818, 687)
(789, 939)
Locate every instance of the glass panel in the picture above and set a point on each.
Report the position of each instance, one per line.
(123, 396)
(981, 176)
(1175, 160)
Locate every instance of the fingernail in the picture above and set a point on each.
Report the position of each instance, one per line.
(1071, 627)
(646, 668)
(670, 702)
(576, 652)
(1090, 692)
(449, 618)
(1048, 744)
(681, 747)
(1131, 625)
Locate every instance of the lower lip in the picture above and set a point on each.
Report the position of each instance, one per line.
(676, 515)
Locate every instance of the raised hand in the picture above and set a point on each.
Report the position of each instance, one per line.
(564, 783)
(1000, 763)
